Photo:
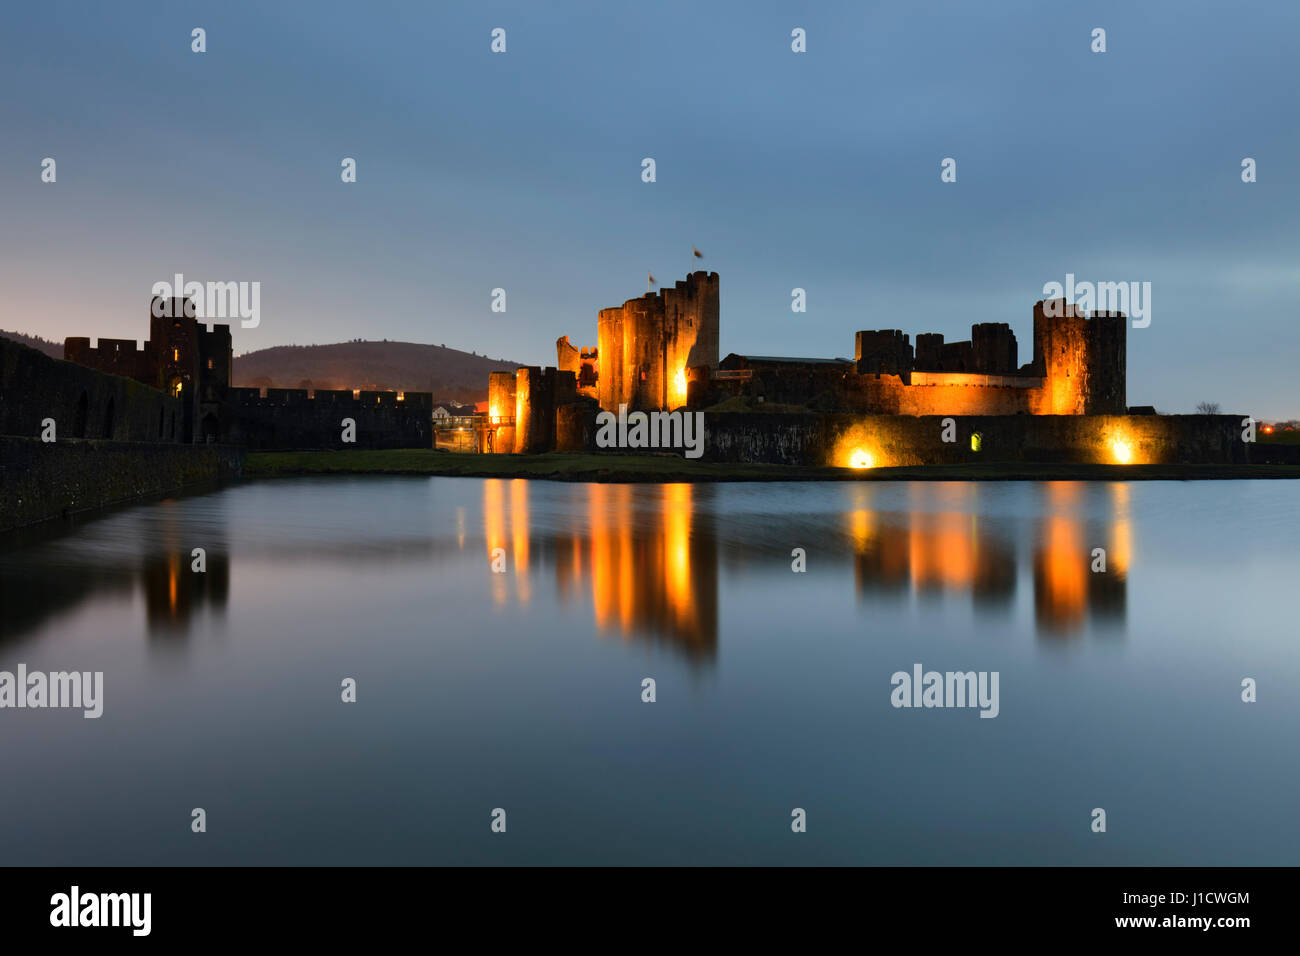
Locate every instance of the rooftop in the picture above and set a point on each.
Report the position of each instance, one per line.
(791, 360)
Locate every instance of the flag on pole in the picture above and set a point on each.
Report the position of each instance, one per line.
(698, 254)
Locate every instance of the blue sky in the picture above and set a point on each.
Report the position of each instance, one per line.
(522, 171)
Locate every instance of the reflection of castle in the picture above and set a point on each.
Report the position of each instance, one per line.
(649, 557)
(174, 593)
(953, 550)
(651, 571)
(1066, 588)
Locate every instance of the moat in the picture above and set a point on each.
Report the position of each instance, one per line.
(522, 690)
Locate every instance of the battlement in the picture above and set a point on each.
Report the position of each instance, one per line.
(885, 351)
(246, 397)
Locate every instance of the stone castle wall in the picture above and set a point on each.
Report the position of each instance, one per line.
(40, 481)
(813, 439)
(1078, 368)
(538, 394)
(287, 418)
(83, 402)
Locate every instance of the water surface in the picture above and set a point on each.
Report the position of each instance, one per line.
(522, 690)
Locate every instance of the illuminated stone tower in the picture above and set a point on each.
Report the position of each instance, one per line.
(1082, 361)
(647, 344)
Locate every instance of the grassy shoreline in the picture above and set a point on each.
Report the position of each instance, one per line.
(671, 468)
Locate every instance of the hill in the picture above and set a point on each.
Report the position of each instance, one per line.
(450, 374)
(52, 349)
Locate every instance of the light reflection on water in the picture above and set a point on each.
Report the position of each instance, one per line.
(522, 689)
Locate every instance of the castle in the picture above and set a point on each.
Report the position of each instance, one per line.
(1077, 368)
(181, 358)
(644, 349)
(659, 352)
(192, 365)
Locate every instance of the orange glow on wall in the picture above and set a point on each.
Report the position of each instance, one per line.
(861, 446)
(678, 396)
(1122, 451)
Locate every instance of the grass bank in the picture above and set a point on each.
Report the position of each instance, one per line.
(670, 468)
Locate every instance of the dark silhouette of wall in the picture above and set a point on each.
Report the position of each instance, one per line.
(84, 403)
(43, 480)
(287, 418)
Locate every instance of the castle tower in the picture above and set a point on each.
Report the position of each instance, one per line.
(647, 344)
(882, 351)
(994, 348)
(1081, 359)
(581, 362)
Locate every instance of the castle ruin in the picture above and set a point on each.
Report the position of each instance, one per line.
(193, 364)
(659, 352)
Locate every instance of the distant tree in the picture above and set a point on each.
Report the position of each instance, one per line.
(1207, 408)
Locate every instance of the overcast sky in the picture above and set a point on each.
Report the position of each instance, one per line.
(522, 171)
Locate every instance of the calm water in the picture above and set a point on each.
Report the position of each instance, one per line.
(522, 690)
